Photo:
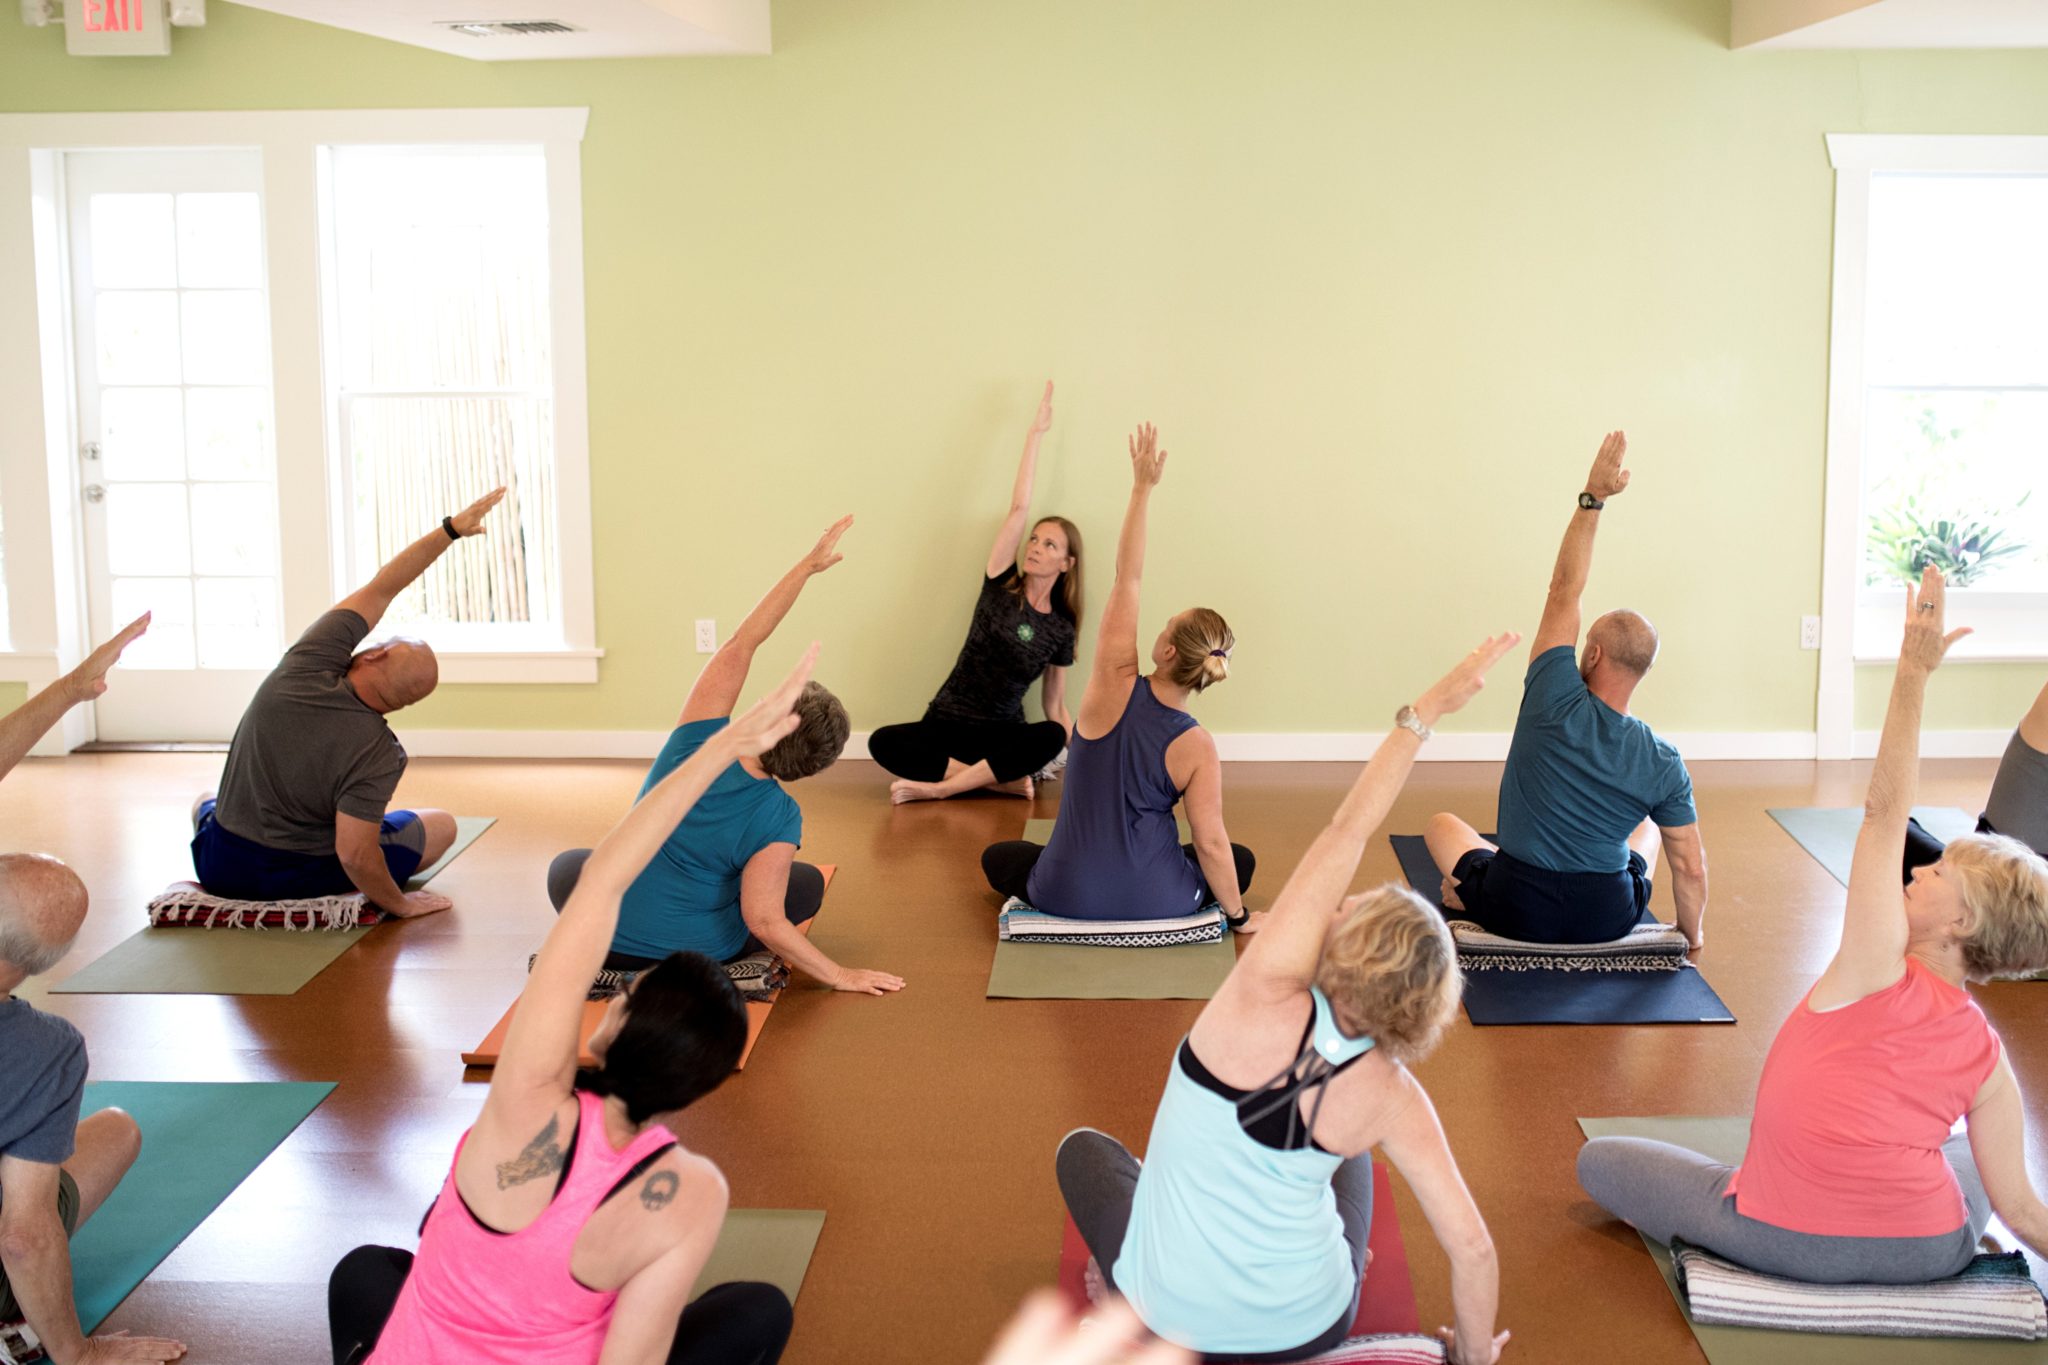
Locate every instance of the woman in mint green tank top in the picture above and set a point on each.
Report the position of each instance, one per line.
(1243, 1233)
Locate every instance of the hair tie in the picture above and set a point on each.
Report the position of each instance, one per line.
(1219, 654)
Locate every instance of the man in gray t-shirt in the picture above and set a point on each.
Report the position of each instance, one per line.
(313, 766)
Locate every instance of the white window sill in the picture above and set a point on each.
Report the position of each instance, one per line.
(518, 666)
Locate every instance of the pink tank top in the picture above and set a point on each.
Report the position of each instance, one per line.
(480, 1297)
(1854, 1106)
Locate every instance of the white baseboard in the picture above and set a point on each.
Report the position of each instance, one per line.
(1943, 743)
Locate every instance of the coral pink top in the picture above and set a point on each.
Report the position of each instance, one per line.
(1854, 1106)
(481, 1297)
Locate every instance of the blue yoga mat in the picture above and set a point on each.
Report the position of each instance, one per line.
(199, 1141)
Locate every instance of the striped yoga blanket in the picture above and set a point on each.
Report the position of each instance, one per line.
(1650, 947)
(1994, 1297)
(1382, 1350)
(190, 904)
(1019, 923)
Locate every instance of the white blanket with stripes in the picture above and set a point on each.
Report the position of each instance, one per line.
(1649, 947)
(1993, 1297)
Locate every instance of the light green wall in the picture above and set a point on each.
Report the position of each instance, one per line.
(12, 695)
(1382, 273)
(1959, 697)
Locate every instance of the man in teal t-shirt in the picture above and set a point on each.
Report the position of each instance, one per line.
(1590, 793)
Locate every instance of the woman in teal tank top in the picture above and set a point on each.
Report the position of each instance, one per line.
(1243, 1233)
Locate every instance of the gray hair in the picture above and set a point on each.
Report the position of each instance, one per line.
(22, 949)
(38, 895)
(1627, 638)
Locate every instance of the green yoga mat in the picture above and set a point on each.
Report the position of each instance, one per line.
(773, 1246)
(199, 1141)
(1829, 833)
(187, 961)
(1725, 1140)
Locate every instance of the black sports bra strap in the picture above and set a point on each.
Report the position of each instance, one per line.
(639, 1169)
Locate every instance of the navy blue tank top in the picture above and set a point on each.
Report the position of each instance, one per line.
(1115, 853)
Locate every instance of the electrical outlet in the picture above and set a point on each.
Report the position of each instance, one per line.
(1809, 632)
(707, 636)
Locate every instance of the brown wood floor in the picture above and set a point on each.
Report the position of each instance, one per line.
(924, 1123)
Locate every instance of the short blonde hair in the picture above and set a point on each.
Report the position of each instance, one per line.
(1391, 972)
(1201, 649)
(2004, 889)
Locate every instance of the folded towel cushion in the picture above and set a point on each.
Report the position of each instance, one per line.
(1382, 1350)
(757, 976)
(188, 904)
(1020, 923)
(1994, 1296)
(1650, 947)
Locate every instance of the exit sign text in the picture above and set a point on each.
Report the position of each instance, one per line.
(116, 28)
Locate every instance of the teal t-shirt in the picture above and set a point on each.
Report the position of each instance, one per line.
(689, 895)
(1581, 776)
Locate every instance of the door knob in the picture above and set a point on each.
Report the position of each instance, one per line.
(95, 493)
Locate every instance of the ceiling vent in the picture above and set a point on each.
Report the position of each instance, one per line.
(504, 28)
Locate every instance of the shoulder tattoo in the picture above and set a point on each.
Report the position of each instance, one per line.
(659, 1191)
(542, 1156)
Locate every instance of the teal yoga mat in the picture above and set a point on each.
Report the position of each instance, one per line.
(199, 1141)
(1829, 832)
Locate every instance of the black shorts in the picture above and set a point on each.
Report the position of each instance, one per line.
(1506, 896)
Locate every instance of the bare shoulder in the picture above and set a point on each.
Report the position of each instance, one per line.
(682, 1184)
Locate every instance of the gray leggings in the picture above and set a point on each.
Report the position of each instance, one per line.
(1665, 1192)
(1098, 1178)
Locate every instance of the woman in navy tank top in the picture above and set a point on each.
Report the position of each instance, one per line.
(1136, 752)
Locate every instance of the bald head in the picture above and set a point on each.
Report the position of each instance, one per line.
(1626, 640)
(42, 903)
(395, 674)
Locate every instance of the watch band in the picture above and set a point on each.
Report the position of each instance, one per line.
(1590, 503)
(1408, 720)
(448, 525)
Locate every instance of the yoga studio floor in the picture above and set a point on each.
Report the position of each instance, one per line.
(924, 1124)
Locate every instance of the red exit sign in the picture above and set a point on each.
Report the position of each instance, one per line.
(116, 28)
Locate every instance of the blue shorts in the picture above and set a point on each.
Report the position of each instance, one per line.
(1506, 896)
(244, 870)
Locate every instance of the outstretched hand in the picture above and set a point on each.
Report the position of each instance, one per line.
(470, 520)
(1045, 1333)
(1461, 684)
(755, 731)
(1469, 1355)
(1926, 607)
(89, 679)
(110, 1347)
(1042, 422)
(825, 553)
(1148, 462)
(1608, 477)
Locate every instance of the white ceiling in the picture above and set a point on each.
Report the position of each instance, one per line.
(1889, 23)
(608, 28)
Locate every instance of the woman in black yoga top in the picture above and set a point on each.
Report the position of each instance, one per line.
(974, 734)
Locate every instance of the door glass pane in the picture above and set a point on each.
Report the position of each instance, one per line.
(133, 245)
(220, 241)
(1955, 476)
(227, 337)
(228, 433)
(237, 622)
(231, 529)
(146, 530)
(1957, 282)
(168, 641)
(138, 337)
(142, 434)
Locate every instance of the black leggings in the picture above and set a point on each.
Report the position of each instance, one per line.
(919, 750)
(801, 901)
(731, 1324)
(1008, 865)
(1923, 849)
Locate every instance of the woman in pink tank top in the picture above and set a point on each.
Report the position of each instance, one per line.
(1852, 1175)
(572, 1225)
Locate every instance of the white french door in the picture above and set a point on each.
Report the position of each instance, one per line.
(177, 454)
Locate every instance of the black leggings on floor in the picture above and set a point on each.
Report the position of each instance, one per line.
(731, 1324)
(801, 901)
(1008, 866)
(1923, 849)
(919, 750)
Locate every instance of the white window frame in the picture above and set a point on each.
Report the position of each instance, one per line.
(43, 567)
(1856, 158)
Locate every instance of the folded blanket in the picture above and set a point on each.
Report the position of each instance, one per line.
(1019, 923)
(190, 904)
(1650, 947)
(1993, 1297)
(1382, 1350)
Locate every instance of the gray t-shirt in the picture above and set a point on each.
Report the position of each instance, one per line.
(42, 1079)
(2018, 804)
(308, 747)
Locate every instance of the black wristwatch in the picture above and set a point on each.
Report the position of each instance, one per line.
(1590, 503)
(448, 525)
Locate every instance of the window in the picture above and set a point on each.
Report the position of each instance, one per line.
(442, 380)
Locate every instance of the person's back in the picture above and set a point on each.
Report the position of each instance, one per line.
(1115, 852)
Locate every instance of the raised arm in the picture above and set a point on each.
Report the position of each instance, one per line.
(29, 722)
(1873, 948)
(1281, 960)
(1416, 1145)
(717, 689)
(1116, 640)
(375, 597)
(1002, 551)
(1560, 624)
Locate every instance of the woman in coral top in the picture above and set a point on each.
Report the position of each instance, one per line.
(572, 1225)
(1852, 1175)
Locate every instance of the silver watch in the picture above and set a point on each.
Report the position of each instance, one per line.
(1408, 720)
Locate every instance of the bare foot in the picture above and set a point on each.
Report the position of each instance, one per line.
(1449, 895)
(1021, 787)
(903, 790)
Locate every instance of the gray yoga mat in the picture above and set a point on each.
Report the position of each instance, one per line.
(188, 961)
(1829, 832)
(1725, 1139)
(773, 1246)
